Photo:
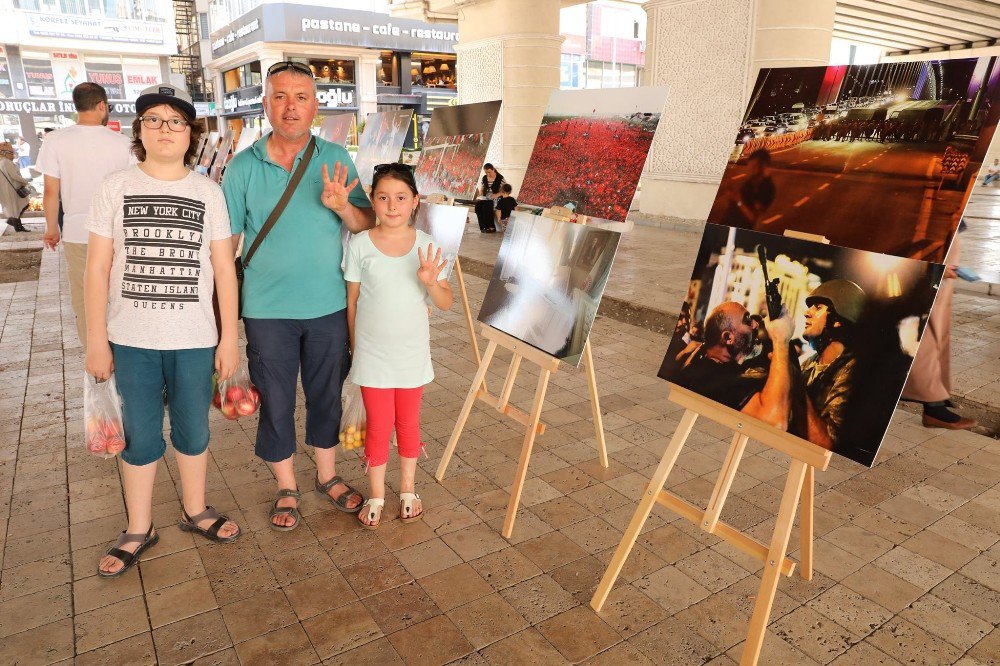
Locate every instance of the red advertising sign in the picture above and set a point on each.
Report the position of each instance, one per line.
(114, 126)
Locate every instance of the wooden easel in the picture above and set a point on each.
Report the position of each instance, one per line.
(441, 199)
(532, 420)
(800, 484)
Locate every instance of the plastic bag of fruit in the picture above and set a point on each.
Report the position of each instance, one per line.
(352, 420)
(102, 416)
(236, 396)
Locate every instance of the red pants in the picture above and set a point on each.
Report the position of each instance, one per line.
(388, 408)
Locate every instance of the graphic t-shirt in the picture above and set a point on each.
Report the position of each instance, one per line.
(161, 275)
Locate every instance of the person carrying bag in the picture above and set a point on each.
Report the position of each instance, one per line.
(14, 192)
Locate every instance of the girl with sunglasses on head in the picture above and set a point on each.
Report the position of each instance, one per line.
(392, 272)
(159, 247)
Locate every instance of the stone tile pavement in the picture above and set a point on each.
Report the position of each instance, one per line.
(907, 557)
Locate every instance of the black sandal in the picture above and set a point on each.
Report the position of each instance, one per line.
(128, 559)
(190, 524)
(341, 500)
(292, 511)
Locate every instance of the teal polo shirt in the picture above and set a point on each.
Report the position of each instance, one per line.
(295, 273)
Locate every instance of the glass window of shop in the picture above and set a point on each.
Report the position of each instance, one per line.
(6, 87)
(571, 71)
(388, 71)
(38, 72)
(143, 10)
(107, 72)
(242, 76)
(611, 75)
(332, 71)
(433, 70)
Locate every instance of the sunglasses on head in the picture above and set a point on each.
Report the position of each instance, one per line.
(284, 65)
(396, 167)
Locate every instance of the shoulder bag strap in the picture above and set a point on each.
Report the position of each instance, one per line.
(285, 197)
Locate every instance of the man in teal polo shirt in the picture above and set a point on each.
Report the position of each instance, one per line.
(294, 296)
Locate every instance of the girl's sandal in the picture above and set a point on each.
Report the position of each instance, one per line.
(370, 513)
(128, 559)
(411, 508)
(190, 524)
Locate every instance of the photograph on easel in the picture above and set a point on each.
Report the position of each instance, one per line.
(381, 142)
(208, 153)
(810, 338)
(337, 127)
(455, 149)
(875, 157)
(447, 225)
(590, 150)
(248, 136)
(548, 282)
(221, 157)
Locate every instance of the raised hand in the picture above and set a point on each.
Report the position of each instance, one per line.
(336, 189)
(431, 265)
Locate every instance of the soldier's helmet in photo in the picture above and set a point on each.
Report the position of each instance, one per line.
(846, 297)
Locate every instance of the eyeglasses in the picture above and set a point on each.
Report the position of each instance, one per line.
(397, 167)
(155, 122)
(279, 67)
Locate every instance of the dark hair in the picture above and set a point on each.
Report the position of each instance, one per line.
(506, 188)
(762, 155)
(197, 129)
(87, 95)
(396, 171)
(489, 166)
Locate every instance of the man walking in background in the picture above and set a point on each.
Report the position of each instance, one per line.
(74, 161)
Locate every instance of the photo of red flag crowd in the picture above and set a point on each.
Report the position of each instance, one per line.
(450, 165)
(567, 146)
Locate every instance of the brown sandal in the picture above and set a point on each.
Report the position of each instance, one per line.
(190, 524)
(292, 511)
(128, 559)
(341, 500)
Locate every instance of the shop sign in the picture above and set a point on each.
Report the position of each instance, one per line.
(139, 76)
(109, 76)
(67, 70)
(335, 96)
(244, 100)
(6, 90)
(286, 22)
(49, 106)
(115, 125)
(94, 29)
(41, 81)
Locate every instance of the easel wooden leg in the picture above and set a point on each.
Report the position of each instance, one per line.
(724, 483)
(806, 525)
(529, 442)
(645, 506)
(468, 313)
(463, 416)
(595, 404)
(772, 569)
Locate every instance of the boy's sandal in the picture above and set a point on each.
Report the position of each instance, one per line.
(190, 524)
(370, 513)
(128, 559)
(411, 508)
(292, 511)
(341, 500)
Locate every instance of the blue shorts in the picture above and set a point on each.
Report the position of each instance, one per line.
(142, 375)
(277, 350)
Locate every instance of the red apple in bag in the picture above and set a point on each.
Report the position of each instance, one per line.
(234, 394)
(115, 446)
(217, 400)
(246, 406)
(254, 395)
(229, 411)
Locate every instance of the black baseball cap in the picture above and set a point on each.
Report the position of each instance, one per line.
(164, 93)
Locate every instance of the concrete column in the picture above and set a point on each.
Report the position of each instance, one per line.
(367, 79)
(509, 50)
(708, 53)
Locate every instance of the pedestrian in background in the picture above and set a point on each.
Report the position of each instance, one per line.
(12, 204)
(75, 160)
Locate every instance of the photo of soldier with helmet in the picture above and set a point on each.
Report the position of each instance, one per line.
(812, 339)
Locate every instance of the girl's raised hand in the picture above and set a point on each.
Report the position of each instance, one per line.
(431, 265)
(336, 190)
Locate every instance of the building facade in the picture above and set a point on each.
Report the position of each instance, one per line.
(49, 46)
(364, 61)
